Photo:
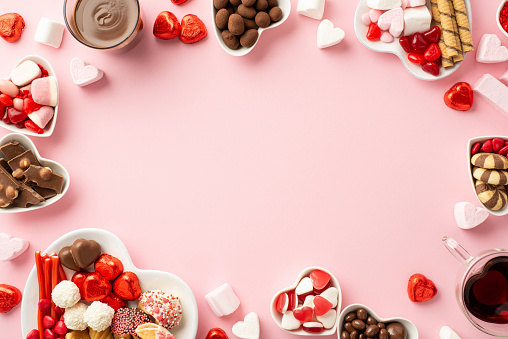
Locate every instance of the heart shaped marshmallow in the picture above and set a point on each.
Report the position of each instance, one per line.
(490, 50)
(468, 215)
(328, 35)
(392, 21)
(83, 74)
(248, 328)
(10, 247)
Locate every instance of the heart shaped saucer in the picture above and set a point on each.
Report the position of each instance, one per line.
(395, 48)
(284, 5)
(149, 280)
(470, 143)
(48, 130)
(277, 317)
(412, 332)
(55, 166)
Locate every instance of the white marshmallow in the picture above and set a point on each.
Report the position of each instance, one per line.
(10, 247)
(383, 4)
(413, 3)
(328, 319)
(504, 78)
(289, 322)
(392, 20)
(304, 286)
(312, 8)
(490, 50)
(83, 74)
(494, 92)
(25, 73)
(223, 300)
(248, 328)
(416, 19)
(327, 35)
(468, 215)
(49, 32)
(448, 333)
(332, 295)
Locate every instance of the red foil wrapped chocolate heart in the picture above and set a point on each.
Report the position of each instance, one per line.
(114, 301)
(127, 286)
(166, 26)
(10, 296)
(79, 278)
(109, 266)
(95, 287)
(11, 26)
(420, 289)
(193, 29)
(459, 97)
(216, 333)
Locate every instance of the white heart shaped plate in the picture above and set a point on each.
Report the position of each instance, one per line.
(149, 280)
(277, 317)
(48, 130)
(55, 166)
(394, 47)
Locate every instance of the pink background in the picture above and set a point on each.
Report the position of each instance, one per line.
(248, 169)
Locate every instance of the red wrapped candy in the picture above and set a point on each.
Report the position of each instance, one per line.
(95, 287)
(109, 266)
(127, 286)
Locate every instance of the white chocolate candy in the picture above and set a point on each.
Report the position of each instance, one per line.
(223, 300)
(289, 322)
(383, 4)
(25, 73)
(83, 74)
(490, 50)
(248, 328)
(332, 295)
(448, 333)
(328, 35)
(416, 19)
(8, 88)
(328, 319)
(312, 8)
(49, 32)
(494, 92)
(468, 215)
(10, 247)
(392, 21)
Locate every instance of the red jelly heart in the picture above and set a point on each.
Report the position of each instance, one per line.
(459, 97)
(95, 287)
(476, 148)
(166, 26)
(30, 106)
(433, 35)
(497, 144)
(303, 313)
(420, 289)
(109, 266)
(504, 150)
(193, 29)
(10, 296)
(292, 300)
(114, 301)
(487, 147)
(79, 278)
(32, 126)
(416, 58)
(6, 119)
(405, 43)
(320, 279)
(178, 2)
(11, 26)
(5, 100)
(16, 116)
(432, 52)
(216, 333)
(431, 67)
(282, 303)
(313, 327)
(374, 32)
(419, 43)
(127, 286)
(321, 305)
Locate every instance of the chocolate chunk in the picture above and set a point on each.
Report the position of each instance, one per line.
(23, 161)
(9, 188)
(27, 197)
(46, 193)
(44, 177)
(396, 331)
(12, 149)
(4, 164)
(67, 260)
(85, 252)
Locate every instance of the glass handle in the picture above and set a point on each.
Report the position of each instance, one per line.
(457, 250)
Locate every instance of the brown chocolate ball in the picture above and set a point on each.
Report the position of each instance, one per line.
(221, 18)
(246, 12)
(250, 24)
(395, 330)
(235, 24)
(272, 3)
(262, 19)
(235, 2)
(218, 4)
(275, 14)
(249, 3)
(249, 38)
(230, 39)
(261, 5)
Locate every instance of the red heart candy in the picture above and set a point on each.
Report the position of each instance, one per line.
(166, 26)
(320, 279)
(476, 148)
(304, 313)
(405, 43)
(178, 2)
(10, 296)
(321, 305)
(216, 333)
(416, 58)
(459, 97)
(487, 146)
(11, 26)
(127, 286)
(282, 303)
(432, 52)
(193, 29)
(95, 287)
(419, 43)
(497, 144)
(109, 266)
(30, 106)
(79, 278)
(420, 289)
(431, 67)
(433, 35)
(374, 32)
(114, 301)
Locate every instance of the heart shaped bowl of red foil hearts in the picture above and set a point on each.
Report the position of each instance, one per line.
(148, 279)
(502, 17)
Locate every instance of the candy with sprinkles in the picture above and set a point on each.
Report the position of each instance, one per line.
(126, 320)
(164, 307)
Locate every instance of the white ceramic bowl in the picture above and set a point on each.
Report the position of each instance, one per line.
(412, 332)
(470, 143)
(285, 6)
(55, 166)
(48, 130)
(395, 48)
(148, 279)
(497, 18)
(277, 317)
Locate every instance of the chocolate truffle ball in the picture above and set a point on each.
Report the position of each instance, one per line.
(396, 331)
(230, 39)
(262, 19)
(272, 3)
(246, 12)
(220, 3)
(250, 24)
(235, 24)
(235, 2)
(275, 14)
(249, 3)
(261, 5)
(222, 18)
(248, 39)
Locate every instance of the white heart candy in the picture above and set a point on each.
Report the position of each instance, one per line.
(328, 35)
(289, 322)
(83, 74)
(448, 333)
(328, 319)
(248, 328)
(10, 247)
(332, 295)
(305, 286)
(490, 50)
(468, 215)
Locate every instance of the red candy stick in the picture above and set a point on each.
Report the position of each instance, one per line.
(55, 263)
(42, 291)
(47, 277)
(61, 273)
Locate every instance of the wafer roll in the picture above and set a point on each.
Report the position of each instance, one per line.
(459, 56)
(106, 334)
(489, 161)
(493, 197)
(449, 35)
(446, 61)
(463, 23)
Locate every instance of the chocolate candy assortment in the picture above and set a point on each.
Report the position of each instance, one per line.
(94, 304)
(23, 181)
(361, 325)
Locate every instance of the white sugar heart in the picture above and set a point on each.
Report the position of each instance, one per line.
(248, 328)
(328, 35)
(392, 21)
(10, 247)
(447, 333)
(468, 215)
(309, 301)
(490, 50)
(83, 74)
(328, 319)
(289, 322)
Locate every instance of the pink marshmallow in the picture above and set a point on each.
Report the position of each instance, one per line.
(386, 37)
(490, 50)
(392, 20)
(468, 215)
(45, 91)
(222, 300)
(366, 19)
(42, 116)
(10, 247)
(8, 88)
(375, 14)
(494, 92)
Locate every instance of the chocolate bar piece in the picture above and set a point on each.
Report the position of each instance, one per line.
(44, 177)
(23, 161)
(46, 193)
(9, 188)
(4, 164)
(12, 149)
(27, 197)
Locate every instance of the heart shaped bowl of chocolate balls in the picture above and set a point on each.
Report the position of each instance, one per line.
(358, 319)
(238, 24)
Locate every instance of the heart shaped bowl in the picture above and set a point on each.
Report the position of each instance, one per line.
(395, 48)
(285, 6)
(48, 130)
(412, 332)
(498, 16)
(470, 143)
(149, 280)
(277, 317)
(55, 166)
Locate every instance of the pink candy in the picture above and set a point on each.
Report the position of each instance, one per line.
(7, 87)
(45, 91)
(222, 300)
(42, 116)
